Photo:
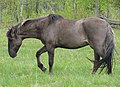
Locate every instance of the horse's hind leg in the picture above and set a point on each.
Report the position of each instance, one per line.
(39, 52)
(109, 65)
(96, 62)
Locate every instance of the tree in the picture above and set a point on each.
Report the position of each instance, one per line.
(27, 8)
(96, 9)
(0, 12)
(17, 10)
(21, 10)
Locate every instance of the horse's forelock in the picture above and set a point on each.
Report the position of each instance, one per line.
(8, 34)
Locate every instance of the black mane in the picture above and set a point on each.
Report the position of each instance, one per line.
(30, 20)
(54, 17)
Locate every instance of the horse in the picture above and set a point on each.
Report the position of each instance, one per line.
(54, 31)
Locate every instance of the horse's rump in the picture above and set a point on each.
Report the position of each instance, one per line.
(101, 39)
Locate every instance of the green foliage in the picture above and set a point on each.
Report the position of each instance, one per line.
(117, 4)
(12, 10)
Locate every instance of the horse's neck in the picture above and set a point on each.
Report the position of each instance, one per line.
(33, 30)
(29, 33)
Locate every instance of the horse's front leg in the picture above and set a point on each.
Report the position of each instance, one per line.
(39, 52)
(51, 57)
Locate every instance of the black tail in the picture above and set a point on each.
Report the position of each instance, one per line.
(107, 60)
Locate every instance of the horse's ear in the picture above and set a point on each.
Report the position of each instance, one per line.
(9, 26)
(8, 29)
(25, 22)
(8, 34)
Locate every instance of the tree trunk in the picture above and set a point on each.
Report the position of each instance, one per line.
(21, 11)
(27, 8)
(96, 9)
(16, 12)
(74, 8)
(37, 7)
(0, 12)
(63, 4)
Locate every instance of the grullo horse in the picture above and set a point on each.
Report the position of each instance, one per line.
(55, 31)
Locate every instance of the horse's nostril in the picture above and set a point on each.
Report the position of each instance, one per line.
(12, 54)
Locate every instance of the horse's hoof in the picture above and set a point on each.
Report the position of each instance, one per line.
(93, 73)
(43, 69)
(109, 73)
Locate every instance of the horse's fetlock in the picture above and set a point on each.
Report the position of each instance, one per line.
(42, 67)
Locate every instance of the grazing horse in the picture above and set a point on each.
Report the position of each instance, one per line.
(55, 31)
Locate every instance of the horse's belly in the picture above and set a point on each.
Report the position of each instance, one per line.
(73, 43)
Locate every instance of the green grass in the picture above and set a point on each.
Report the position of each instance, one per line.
(71, 68)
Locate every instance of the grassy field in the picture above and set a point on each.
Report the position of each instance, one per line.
(71, 68)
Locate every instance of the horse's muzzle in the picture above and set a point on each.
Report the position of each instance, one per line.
(12, 54)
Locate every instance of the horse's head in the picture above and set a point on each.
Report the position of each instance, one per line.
(14, 42)
(28, 29)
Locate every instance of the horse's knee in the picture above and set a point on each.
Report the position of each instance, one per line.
(40, 51)
(37, 54)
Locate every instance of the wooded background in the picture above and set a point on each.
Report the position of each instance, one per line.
(12, 11)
